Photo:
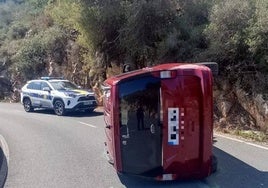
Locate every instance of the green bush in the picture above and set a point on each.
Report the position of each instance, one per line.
(36, 52)
(227, 32)
(17, 31)
(258, 35)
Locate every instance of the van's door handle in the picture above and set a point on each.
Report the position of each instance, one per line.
(108, 126)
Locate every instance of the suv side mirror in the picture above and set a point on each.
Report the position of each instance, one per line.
(46, 89)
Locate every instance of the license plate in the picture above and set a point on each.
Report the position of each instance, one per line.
(87, 102)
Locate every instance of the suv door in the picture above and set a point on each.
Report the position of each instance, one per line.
(33, 89)
(45, 96)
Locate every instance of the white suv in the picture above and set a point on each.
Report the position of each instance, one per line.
(58, 94)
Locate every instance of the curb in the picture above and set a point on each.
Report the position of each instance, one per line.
(4, 160)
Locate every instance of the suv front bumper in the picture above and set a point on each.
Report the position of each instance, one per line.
(83, 106)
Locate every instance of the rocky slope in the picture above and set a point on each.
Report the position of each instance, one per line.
(241, 111)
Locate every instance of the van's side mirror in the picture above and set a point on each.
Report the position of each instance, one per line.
(105, 88)
(214, 67)
(126, 68)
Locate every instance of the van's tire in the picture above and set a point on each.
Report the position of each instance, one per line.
(59, 107)
(214, 164)
(27, 104)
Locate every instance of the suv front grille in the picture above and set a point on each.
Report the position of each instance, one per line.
(86, 98)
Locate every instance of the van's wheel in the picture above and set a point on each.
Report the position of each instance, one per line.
(27, 104)
(59, 108)
(214, 164)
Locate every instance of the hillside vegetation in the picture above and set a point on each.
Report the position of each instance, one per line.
(88, 40)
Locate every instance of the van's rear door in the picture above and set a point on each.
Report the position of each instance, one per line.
(182, 109)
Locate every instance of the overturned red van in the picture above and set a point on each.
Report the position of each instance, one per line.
(159, 121)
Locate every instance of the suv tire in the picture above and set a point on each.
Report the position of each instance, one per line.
(27, 104)
(59, 108)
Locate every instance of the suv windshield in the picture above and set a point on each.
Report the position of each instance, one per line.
(63, 85)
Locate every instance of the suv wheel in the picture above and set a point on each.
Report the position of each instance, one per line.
(27, 105)
(59, 108)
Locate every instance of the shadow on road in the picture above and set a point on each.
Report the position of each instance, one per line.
(84, 114)
(235, 173)
(70, 114)
(3, 168)
(232, 173)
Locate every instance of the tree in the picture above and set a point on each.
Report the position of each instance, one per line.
(147, 26)
(36, 52)
(258, 35)
(227, 32)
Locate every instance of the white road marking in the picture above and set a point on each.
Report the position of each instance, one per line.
(241, 141)
(4, 146)
(93, 126)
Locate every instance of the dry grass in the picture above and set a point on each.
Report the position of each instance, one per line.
(249, 135)
(258, 136)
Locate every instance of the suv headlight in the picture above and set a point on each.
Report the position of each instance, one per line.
(70, 94)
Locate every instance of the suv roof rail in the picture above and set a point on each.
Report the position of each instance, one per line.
(50, 78)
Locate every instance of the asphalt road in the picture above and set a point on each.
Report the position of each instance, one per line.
(41, 149)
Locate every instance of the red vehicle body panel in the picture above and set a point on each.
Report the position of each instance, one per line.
(180, 141)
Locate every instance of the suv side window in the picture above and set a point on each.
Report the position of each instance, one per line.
(43, 85)
(34, 85)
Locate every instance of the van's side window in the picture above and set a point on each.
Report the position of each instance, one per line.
(107, 100)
